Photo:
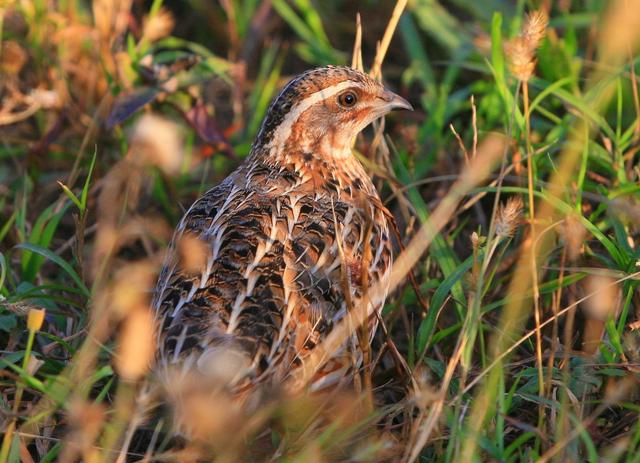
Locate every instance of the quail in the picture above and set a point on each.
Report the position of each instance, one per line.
(285, 240)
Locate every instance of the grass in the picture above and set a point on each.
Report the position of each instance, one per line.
(515, 187)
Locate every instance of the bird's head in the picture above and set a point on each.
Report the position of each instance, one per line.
(321, 111)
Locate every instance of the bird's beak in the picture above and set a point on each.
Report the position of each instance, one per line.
(393, 101)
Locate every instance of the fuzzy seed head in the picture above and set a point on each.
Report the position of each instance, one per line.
(158, 26)
(535, 28)
(477, 240)
(157, 141)
(509, 217)
(573, 235)
(605, 296)
(521, 58)
(193, 253)
(521, 50)
(13, 58)
(136, 345)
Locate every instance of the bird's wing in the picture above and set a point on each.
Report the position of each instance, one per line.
(273, 282)
(199, 307)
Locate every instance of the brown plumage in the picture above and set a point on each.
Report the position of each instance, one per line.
(270, 283)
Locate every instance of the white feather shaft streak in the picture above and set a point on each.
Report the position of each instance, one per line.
(491, 150)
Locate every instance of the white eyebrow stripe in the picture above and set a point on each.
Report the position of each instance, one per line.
(283, 131)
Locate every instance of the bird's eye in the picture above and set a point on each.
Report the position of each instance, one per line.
(347, 99)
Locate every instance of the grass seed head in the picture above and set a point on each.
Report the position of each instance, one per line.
(193, 253)
(482, 42)
(157, 141)
(85, 421)
(509, 217)
(605, 297)
(521, 51)
(158, 26)
(130, 288)
(136, 346)
(477, 240)
(202, 408)
(535, 28)
(521, 57)
(13, 58)
(573, 234)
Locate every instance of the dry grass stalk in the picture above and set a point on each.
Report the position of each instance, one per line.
(356, 57)
(386, 38)
(86, 420)
(28, 105)
(521, 55)
(433, 401)
(474, 126)
(477, 171)
(129, 289)
(117, 296)
(620, 25)
(460, 143)
(615, 395)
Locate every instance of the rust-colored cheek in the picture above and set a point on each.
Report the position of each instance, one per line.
(361, 114)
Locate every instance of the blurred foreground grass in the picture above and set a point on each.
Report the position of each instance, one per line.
(523, 344)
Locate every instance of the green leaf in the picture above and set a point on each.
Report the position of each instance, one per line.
(70, 195)
(427, 326)
(52, 454)
(7, 225)
(57, 260)
(3, 270)
(310, 30)
(586, 108)
(444, 27)
(42, 234)
(85, 188)
(8, 322)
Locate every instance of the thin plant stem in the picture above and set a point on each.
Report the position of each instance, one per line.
(534, 269)
(8, 435)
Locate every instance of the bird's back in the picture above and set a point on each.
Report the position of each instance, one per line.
(284, 255)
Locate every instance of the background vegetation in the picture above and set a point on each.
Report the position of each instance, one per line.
(514, 185)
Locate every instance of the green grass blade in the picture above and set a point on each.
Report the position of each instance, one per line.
(58, 261)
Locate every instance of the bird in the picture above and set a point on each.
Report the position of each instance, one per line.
(283, 242)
